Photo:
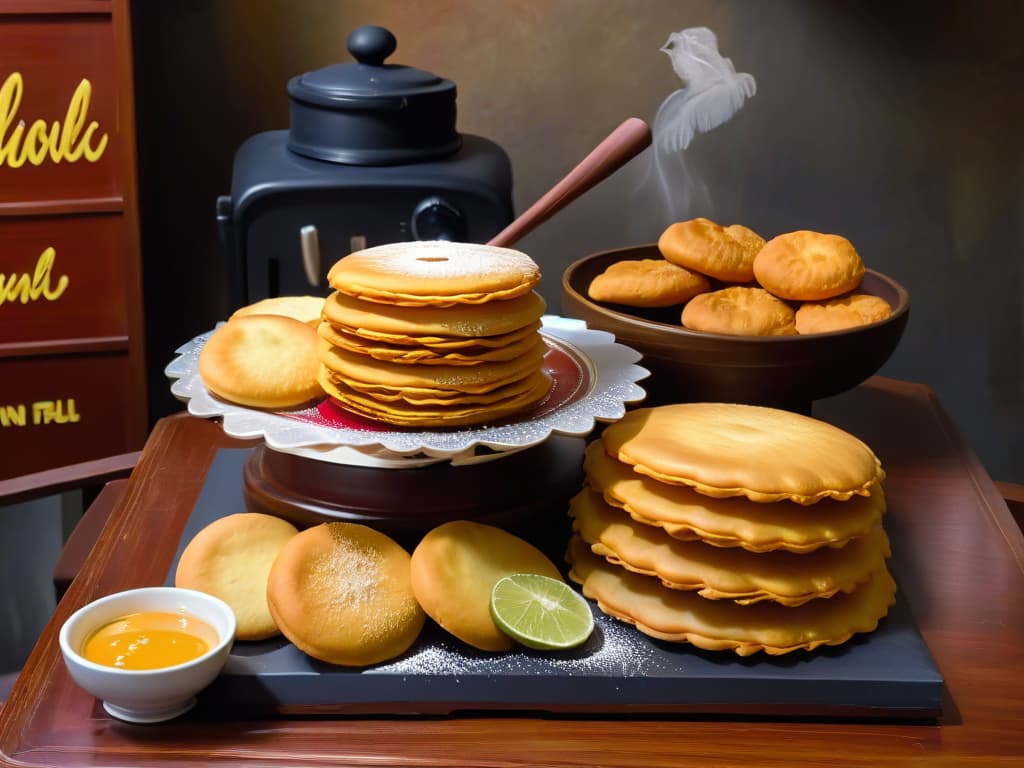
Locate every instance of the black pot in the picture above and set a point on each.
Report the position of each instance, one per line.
(372, 113)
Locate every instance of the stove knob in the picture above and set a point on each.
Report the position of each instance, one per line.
(434, 218)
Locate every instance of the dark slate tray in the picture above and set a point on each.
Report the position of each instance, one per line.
(887, 674)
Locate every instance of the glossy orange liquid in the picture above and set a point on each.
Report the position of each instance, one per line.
(150, 640)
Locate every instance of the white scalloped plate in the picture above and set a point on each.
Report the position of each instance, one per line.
(594, 378)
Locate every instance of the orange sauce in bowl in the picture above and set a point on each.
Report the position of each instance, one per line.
(150, 640)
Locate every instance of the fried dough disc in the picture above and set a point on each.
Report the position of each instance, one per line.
(434, 273)
(341, 593)
(726, 253)
(430, 326)
(739, 310)
(808, 266)
(731, 522)
(647, 283)
(231, 558)
(404, 414)
(532, 382)
(473, 379)
(719, 573)
(305, 309)
(725, 449)
(441, 344)
(838, 314)
(716, 625)
(405, 354)
(455, 567)
(262, 361)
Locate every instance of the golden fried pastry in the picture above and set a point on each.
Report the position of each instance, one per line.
(843, 312)
(739, 310)
(713, 625)
(431, 396)
(719, 573)
(731, 522)
(434, 273)
(262, 361)
(726, 253)
(727, 449)
(455, 567)
(305, 309)
(341, 592)
(470, 379)
(405, 411)
(647, 283)
(462, 353)
(496, 322)
(808, 266)
(231, 558)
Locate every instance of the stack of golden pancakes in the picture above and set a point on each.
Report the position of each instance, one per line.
(733, 527)
(434, 333)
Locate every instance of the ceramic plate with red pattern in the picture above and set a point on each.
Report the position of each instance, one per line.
(593, 379)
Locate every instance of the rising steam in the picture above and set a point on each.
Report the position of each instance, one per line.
(712, 93)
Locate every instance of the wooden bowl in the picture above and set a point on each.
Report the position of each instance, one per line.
(780, 371)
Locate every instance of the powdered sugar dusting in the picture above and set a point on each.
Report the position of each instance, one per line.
(347, 576)
(614, 649)
(439, 259)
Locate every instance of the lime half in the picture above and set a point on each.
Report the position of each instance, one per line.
(541, 612)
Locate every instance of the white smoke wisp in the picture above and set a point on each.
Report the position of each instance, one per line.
(712, 93)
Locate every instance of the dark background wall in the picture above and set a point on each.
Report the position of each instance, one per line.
(897, 125)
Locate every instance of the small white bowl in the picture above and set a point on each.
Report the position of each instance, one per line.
(151, 695)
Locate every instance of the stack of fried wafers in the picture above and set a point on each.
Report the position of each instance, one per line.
(733, 527)
(434, 334)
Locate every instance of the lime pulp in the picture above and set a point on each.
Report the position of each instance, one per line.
(541, 612)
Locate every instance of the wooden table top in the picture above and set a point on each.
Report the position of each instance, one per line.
(962, 573)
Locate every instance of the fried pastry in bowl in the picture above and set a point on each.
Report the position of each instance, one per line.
(787, 371)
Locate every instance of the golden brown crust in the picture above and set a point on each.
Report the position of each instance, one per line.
(841, 313)
(305, 309)
(455, 567)
(231, 558)
(808, 266)
(647, 283)
(726, 573)
(465, 353)
(739, 311)
(677, 616)
(734, 521)
(341, 593)
(440, 378)
(725, 253)
(434, 273)
(434, 325)
(262, 361)
(405, 411)
(727, 449)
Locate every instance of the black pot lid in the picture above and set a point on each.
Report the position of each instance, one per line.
(369, 83)
(343, 112)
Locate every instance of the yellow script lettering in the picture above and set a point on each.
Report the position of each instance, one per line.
(61, 141)
(27, 287)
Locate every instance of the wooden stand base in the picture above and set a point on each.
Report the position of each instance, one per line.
(526, 492)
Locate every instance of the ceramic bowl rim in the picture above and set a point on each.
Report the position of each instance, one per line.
(191, 596)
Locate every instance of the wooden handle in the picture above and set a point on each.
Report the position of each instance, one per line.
(621, 145)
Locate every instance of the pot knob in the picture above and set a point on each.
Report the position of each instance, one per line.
(371, 44)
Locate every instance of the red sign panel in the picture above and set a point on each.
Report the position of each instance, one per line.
(62, 410)
(58, 111)
(62, 277)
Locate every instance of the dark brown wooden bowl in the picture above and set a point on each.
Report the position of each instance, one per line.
(780, 371)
